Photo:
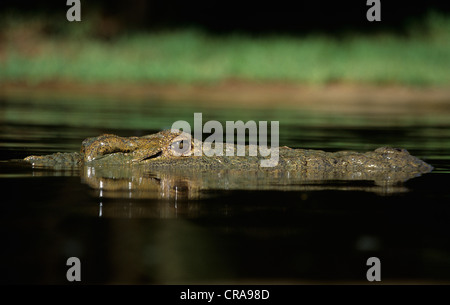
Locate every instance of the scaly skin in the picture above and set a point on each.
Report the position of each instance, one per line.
(148, 166)
(157, 151)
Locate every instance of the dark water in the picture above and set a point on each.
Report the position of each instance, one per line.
(324, 234)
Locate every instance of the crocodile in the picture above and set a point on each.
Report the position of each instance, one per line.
(113, 162)
(162, 150)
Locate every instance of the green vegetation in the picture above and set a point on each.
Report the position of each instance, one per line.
(28, 53)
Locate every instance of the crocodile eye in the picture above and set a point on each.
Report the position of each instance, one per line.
(180, 148)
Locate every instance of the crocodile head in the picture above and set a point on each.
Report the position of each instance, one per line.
(110, 148)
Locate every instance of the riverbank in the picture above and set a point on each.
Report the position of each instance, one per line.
(339, 97)
(377, 73)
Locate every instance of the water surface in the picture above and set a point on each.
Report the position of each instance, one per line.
(283, 234)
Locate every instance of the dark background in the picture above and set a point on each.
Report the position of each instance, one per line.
(255, 17)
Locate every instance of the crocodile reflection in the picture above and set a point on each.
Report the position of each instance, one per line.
(138, 182)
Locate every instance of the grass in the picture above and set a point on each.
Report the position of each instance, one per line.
(191, 56)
